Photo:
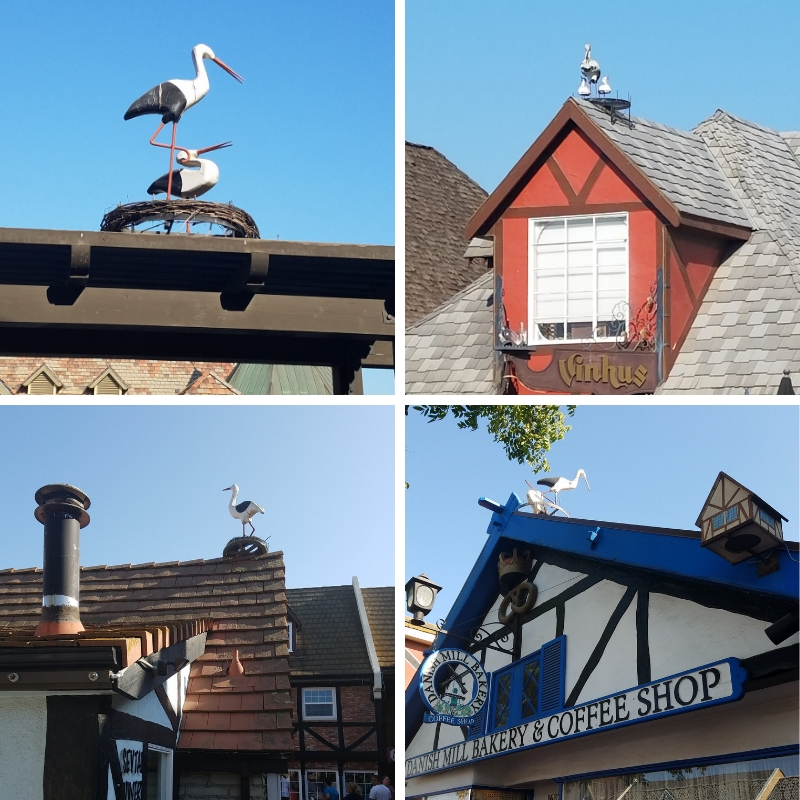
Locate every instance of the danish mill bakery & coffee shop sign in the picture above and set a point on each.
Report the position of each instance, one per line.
(710, 685)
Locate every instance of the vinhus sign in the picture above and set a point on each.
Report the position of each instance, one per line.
(720, 682)
(454, 687)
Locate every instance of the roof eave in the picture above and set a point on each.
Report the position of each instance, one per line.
(571, 112)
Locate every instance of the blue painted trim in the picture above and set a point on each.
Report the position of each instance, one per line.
(728, 758)
(738, 678)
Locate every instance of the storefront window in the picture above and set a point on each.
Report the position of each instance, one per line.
(159, 773)
(315, 783)
(766, 779)
(361, 779)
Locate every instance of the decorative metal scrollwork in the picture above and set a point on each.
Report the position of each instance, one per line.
(520, 599)
(245, 547)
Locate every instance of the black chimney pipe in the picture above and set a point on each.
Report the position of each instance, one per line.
(62, 511)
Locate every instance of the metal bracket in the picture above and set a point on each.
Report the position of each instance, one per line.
(259, 267)
(79, 263)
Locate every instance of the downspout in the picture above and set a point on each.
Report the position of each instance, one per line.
(377, 682)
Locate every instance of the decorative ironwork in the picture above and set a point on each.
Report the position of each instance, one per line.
(160, 216)
(643, 325)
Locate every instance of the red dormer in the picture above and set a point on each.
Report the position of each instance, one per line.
(607, 234)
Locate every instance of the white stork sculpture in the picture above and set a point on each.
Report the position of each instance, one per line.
(243, 511)
(540, 504)
(557, 485)
(590, 69)
(190, 183)
(173, 97)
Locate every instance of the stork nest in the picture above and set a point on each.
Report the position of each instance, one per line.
(245, 547)
(236, 223)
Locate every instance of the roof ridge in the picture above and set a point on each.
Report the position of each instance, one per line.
(451, 163)
(152, 564)
(720, 113)
(451, 300)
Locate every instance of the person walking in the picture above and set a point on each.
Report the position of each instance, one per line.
(329, 792)
(353, 792)
(387, 782)
(378, 790)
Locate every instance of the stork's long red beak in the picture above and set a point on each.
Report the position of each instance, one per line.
(208, 150)
(227, 69)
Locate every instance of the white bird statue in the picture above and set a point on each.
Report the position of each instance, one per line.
(539, 503)
(190, 183)
(583, 89)
(590, 69)
(172, 98)
(557, 485)
(604, 88)
(243, 511)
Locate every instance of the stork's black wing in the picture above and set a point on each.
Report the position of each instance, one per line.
(547, 482)
(165, 99)
(242, 507)
(159, 186)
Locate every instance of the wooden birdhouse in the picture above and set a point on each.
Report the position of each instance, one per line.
(737, 524)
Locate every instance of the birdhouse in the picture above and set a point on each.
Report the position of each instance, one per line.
(420, 595)
(737, 524)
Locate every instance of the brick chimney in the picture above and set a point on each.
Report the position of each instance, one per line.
(62, 511)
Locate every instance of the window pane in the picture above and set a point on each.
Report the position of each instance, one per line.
(503, 700)
(549, 308)
(530, 689)
(580, 230)
(611, 228)
(548, 232)
(550, 257)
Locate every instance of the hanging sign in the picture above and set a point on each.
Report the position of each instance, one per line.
(720, 682)
(454, 687)
(131, 756)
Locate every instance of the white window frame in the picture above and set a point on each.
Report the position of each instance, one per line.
(319, 795)
(291, 636)
(165, 774)
(330, 689)
(533, 336)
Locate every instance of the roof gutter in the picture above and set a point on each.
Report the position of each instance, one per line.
(377, 681)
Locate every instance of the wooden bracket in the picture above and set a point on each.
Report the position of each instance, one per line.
(79, 264)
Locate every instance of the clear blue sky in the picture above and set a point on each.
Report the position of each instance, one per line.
(484, 79)
(645, 465)
(324, 476)
(312, 126)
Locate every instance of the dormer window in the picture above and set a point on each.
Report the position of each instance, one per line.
(577, 279)
(319, 704)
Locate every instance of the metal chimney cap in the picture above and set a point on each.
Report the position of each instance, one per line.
(62, 497)
(62, 492)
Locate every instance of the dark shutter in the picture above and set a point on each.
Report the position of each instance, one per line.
(553, 664)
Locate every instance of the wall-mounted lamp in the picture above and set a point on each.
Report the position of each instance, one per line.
(420, 596)
(785, 627)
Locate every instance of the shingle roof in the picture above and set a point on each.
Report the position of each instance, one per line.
(679, 163)
(440, 199)
(330, 640)
(379, 602)
(244, 598)
(747, 330)
(450, 351)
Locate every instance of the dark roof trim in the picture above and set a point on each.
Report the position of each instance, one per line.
(570, 117)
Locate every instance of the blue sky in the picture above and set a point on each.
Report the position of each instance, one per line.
(645, 465)
(312, 126)
(484, 79)
(154, 475)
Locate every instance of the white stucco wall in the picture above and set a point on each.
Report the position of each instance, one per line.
(148, 708)
(684, 635)
(23, 730)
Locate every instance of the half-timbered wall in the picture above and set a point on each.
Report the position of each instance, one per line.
(23, 730)
(619, 634)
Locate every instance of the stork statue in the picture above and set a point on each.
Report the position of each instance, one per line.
(173, 97)
(557, 485)
(243, 511)
(190, 183)
(540, 504)
(590, 69)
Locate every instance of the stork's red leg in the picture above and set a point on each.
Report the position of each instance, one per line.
(171, 159)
